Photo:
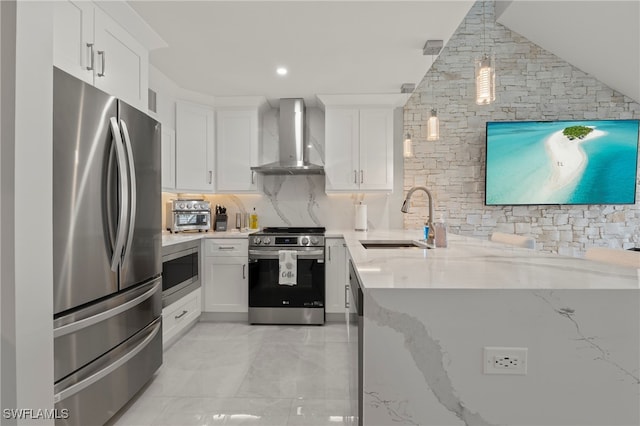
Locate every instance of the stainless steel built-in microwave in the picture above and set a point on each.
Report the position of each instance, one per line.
(180, 270)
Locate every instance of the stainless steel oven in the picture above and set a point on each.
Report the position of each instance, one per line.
(180, 270)
(299, 303)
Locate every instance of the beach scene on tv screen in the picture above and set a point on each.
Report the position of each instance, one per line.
(562, 162)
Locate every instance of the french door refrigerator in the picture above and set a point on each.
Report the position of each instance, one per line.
(107, 251)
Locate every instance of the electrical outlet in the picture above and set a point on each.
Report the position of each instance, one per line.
(499, 360)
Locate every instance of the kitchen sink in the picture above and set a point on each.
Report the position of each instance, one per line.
(393, 244)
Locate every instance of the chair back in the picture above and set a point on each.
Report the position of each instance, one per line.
(514, 240)
(613, 256)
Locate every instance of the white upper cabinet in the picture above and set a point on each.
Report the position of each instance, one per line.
(342, 150)
(376, 149)
(194, 147)
(73, 38)
(168, 138)
(96, 48)
(358, 149)
(238, 130)
(122, 63)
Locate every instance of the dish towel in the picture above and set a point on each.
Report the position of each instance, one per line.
(288, 267)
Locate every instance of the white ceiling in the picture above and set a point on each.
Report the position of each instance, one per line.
(602, 38)
(232, 48)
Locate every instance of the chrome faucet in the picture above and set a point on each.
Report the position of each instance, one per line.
(429, 222)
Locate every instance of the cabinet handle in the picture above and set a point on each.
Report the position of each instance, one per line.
(91, 59)
(226, 248)
(181, 315)
(329, 249)
(253, 177)
(346, 297)
(361, 176)
(244, 267)
(101, 53)
(355, 176)
(210, 176)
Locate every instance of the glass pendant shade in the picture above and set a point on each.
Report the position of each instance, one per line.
(407, 147)
(433, 126)
(485, 80)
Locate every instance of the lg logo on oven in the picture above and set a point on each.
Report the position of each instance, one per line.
(285, 302)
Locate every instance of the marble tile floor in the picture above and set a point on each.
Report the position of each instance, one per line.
(235, 373)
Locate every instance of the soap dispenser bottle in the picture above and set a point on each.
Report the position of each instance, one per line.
(440, 228)
(253, 219)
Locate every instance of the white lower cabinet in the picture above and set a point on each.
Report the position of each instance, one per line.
(226, 273)
(179, 315)
(336, 283)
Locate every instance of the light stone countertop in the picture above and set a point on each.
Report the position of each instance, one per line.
(472, 263)
(170, 239)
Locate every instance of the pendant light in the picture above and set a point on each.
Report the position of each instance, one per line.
(407, 148)
(485, 70)
(433, 126)
(433, 123)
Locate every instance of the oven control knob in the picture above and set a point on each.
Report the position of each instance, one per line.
(257, 240)
(305, 241)
(314, 240)
(267, 240)
(181, 205)
(196, 206)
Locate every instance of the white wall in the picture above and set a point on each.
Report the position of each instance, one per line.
(33, 170)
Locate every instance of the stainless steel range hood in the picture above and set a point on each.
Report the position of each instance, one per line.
(294, 153)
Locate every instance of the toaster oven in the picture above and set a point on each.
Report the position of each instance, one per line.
(188, 215)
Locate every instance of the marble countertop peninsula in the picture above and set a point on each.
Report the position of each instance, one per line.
(472, 263)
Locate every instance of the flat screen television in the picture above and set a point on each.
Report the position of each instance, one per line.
(561, 162)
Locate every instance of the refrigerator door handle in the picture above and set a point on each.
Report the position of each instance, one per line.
(72, 390)
(124, 195)
(132, 187)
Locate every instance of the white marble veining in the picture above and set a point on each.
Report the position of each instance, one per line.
(583, 362)
(472, 263)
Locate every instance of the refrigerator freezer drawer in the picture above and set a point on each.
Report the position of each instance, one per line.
(96, 392)
(85, 335)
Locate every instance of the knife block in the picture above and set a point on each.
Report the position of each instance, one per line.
(220, 223)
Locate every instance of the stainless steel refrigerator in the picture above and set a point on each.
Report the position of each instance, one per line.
(107, 251)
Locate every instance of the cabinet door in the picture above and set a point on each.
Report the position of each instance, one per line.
(376, 149)
(121, 62)
(194, 147)
(72, 32)
(226, 285)
(236, 150)
(177, 316)
(168, 159)
(335, 276)
(341, 149)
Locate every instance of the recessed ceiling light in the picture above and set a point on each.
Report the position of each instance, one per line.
(282, 71)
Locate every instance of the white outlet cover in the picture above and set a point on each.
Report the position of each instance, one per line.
(505, 360)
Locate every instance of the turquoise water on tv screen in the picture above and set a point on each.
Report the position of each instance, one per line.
(520, 166)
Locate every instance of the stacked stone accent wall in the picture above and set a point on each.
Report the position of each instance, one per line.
(532, 84)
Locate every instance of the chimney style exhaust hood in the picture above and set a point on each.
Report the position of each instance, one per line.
(294, 153)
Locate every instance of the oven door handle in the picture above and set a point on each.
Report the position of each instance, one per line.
(273, 254)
